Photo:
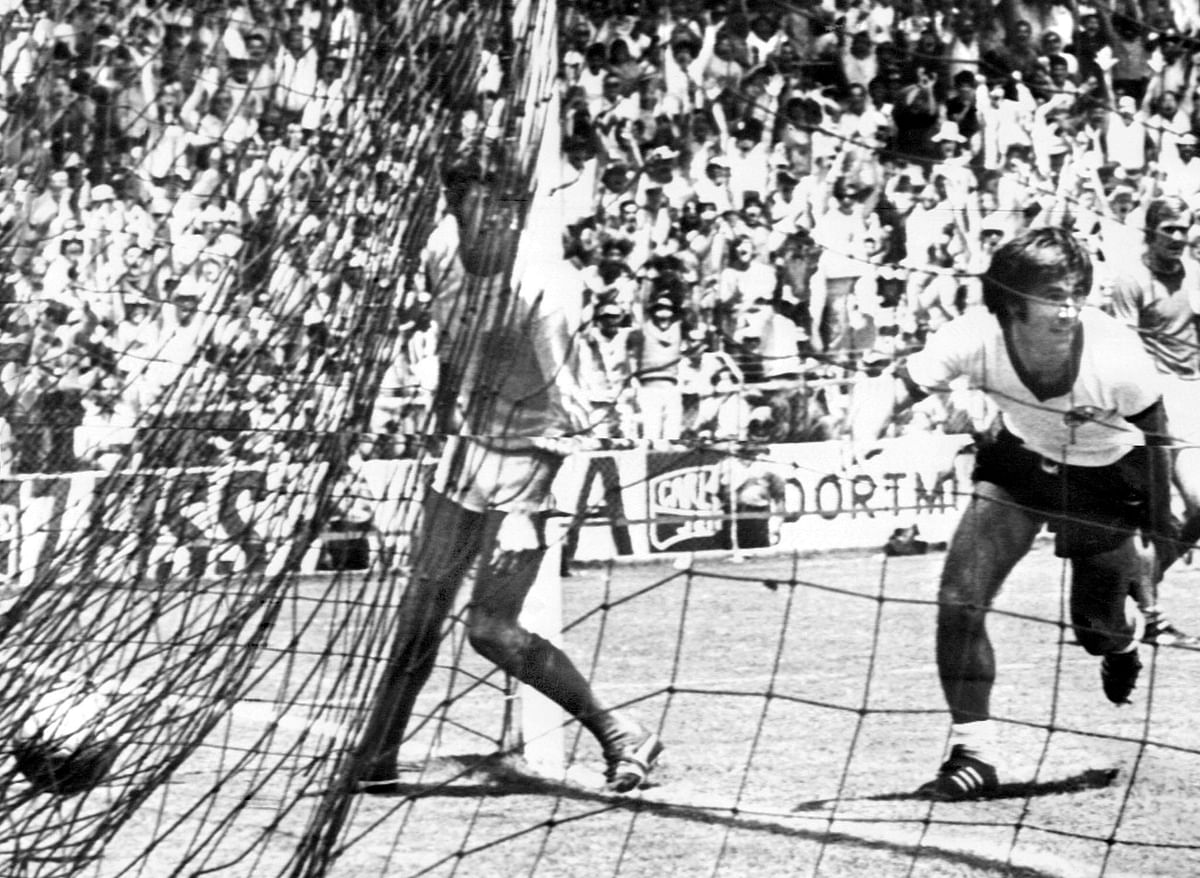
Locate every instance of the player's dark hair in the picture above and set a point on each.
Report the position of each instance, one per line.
(1029, 261)
(1163, 208)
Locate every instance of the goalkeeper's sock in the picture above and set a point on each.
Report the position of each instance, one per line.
(977, 739)
(547, 669)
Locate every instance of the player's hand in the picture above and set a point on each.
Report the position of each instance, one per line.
(516, 540)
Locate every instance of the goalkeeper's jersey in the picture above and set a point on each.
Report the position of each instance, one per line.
(1083, 422)
(515, 357)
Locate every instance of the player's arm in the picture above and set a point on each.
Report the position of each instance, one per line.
(557, 337)
(1152, 422)
(877, 401)
(1125, 302)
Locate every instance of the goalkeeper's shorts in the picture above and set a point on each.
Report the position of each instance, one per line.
(1090, 509)
(482, 477)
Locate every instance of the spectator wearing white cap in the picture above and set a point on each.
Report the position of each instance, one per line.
(104, 220)
(1181, 174)
(953, 162)
(608, 371)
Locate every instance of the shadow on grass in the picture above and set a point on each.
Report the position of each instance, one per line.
(1089, 779)
(501, 775)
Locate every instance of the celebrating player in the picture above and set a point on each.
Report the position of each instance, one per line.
(1159, 296)
(1080, 451)
(518, 389)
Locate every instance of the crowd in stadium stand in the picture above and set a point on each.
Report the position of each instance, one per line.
(788, 195)
(167, 172)
(766, 200)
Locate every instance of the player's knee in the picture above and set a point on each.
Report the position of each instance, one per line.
(1103, 616)
(1101, 634)
(968, 618)
(499, 640)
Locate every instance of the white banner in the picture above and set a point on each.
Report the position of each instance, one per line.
(631, 504)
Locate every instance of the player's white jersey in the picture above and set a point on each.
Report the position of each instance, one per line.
(1083, 424)
(521, 371)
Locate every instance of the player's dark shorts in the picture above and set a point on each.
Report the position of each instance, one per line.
(1090, 509)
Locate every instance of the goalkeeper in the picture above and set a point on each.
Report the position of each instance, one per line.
(513, 365)
(1081, 450)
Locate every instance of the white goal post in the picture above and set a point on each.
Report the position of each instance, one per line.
(540, 732)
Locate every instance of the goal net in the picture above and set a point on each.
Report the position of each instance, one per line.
(211, 583)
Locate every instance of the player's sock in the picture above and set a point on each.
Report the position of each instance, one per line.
(977, 739)
(547, 668)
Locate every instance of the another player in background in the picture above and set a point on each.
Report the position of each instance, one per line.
(1079, 451)
(519, 392)
(1159, 296)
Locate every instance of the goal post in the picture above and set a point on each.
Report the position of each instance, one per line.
(540, 733)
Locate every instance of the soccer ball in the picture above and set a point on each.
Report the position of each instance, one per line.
(63, 746)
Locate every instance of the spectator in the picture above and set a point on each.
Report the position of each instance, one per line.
(610, 366)
(657, 349)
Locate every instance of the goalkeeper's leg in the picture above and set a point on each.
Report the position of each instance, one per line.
(449, 543)
(494, 631)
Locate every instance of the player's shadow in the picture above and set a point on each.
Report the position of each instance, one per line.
(504, 775)
(471, 776)
(1089, 779)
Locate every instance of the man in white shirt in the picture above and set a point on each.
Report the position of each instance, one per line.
(1082, 450)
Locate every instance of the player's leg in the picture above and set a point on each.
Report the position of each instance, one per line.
(449, 542)
(494, 630)
(1105, 623)
(993, 534)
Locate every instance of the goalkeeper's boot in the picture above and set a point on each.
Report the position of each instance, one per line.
(629, 761)
(1161, 632)
(1118, 675)
(961, 777)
